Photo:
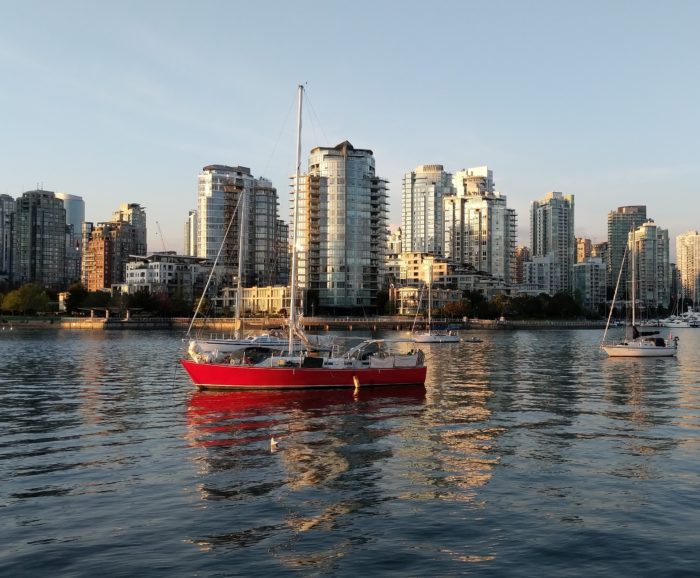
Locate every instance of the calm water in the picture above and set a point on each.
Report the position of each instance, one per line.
(528, 454)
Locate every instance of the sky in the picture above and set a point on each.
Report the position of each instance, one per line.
(127, 101)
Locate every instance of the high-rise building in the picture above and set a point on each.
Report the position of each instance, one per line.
(191, 234)
(107, 252)
(480, 230)
(107, 246)
(653, 272)
(473, 181)
(219, 185)
(341, 228)
(584, 248)
(552, 234)
(135, 215)
(688, 264)
(282, 252)
(421, 209)
(522, 256)
(75, 217)
(543, 273)
(75, 210)
(219, 204)
(589, 283)
(7, 209)
(39, 240)
(392, 263)
(262, 221)
(601, 250)
(620, 223)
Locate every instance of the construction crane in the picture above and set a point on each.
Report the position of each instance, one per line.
(160, 232)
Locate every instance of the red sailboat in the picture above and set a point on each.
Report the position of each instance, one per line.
(368, 364)
(371, 363)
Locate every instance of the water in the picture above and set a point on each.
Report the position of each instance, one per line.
(528, 454)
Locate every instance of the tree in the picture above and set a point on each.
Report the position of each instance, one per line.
(455, 309)
(29, 298)
(76, 297)
(141, 299)
(502, 304)
(97, 299)
(562, 305)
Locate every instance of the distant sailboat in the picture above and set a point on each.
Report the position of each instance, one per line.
(431, 336)
(642, 343)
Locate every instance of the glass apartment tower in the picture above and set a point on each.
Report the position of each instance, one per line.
(39, 239)
(190, 235)
(688, 264)
(341, 226)
(653, 271)
(480, 230)
(552, 234)
(620, 223)
(217, 184)
(7, 209)
(421, 209)
(75, 217)
(219, 204)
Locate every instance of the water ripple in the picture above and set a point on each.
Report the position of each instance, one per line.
(529, 453)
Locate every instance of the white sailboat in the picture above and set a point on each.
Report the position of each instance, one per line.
(642, 343)
(431, 336)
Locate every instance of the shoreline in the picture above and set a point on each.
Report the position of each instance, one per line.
(265, 324)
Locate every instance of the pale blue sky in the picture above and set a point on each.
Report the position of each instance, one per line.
(127, 101)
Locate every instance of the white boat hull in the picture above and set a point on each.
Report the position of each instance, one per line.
(634, 349)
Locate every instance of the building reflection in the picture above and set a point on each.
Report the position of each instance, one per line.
(459, 440)
(223, 418)
(328, 442)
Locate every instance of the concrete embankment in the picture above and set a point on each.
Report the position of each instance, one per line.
(227, 325)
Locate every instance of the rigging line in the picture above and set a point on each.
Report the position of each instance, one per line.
(612, 305)
(279, 137)
(216, 261)
(318, 120)
(415, 319)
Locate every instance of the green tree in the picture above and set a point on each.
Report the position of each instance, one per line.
(29, 298)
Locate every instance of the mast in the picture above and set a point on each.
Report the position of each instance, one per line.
(241, 253)
(430, 305)
(293, 273)
(430, 299)
(634, 277)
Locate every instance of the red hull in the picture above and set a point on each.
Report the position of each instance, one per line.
(214, 376)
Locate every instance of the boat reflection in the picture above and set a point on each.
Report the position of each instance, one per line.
(240, 417)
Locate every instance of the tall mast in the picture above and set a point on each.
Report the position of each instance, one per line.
(241, 254)
(293, 274)
(634, 275)
(430, 299)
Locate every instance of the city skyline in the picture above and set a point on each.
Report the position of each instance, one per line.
(577, 99)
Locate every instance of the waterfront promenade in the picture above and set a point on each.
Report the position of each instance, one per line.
(376, 323)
